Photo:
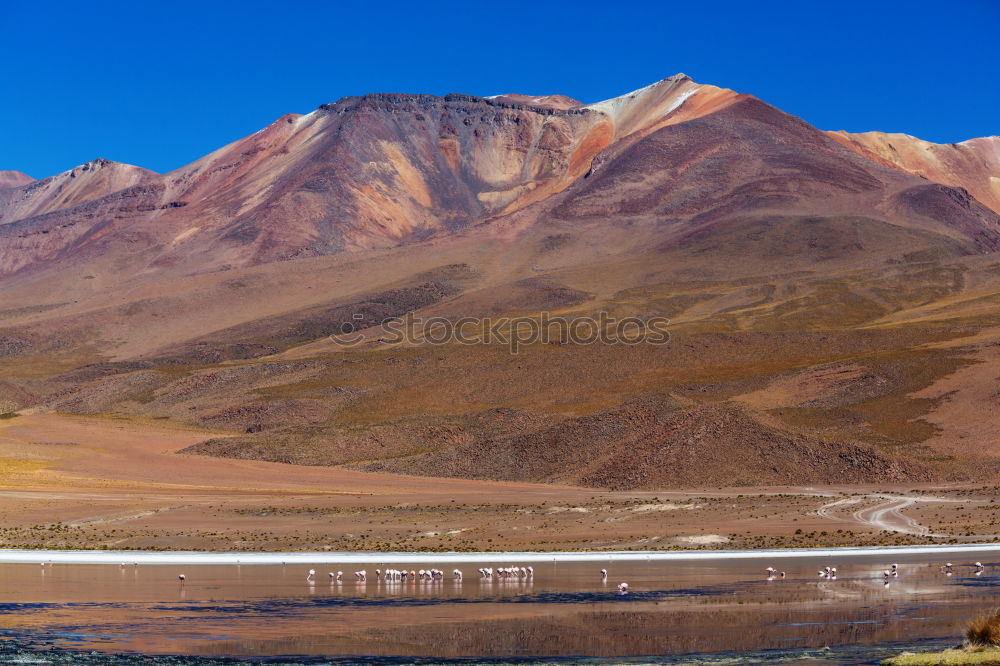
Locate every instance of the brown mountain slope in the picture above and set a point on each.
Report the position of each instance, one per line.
(649, 445)
(973, 164)
(711, 184)
(86, 182)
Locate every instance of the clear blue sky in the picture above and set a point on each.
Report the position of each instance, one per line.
(159, 84)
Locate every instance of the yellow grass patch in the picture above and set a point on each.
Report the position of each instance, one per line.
(946, 657)
(15, 467)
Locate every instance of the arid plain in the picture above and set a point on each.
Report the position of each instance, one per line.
(100, 482)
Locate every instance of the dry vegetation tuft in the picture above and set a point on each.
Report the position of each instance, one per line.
(985, 630)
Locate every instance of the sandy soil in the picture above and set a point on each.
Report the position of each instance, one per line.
(97, 482)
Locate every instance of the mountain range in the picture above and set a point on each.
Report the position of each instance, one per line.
(834, 298)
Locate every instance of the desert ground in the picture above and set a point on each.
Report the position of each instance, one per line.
(71, 481)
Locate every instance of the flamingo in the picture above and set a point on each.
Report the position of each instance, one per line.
(182, 578)
(623, 588)
(604, 574)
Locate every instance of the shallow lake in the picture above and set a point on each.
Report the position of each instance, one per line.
(678, 611)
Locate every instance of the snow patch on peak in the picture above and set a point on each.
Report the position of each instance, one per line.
(654, 101)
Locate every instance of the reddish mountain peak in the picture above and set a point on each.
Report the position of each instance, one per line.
(101, 163)
(14, 179)
(86, 182)
(991, 143)
(973, 164)
(375, 169)
(671, 100)
(987, 148)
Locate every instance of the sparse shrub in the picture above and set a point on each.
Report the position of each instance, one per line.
(985, 630)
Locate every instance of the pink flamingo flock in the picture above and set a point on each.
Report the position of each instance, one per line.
(519, 573)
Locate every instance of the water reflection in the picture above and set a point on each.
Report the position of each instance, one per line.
(562, 610)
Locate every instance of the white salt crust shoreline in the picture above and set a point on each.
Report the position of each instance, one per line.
(319, 557)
